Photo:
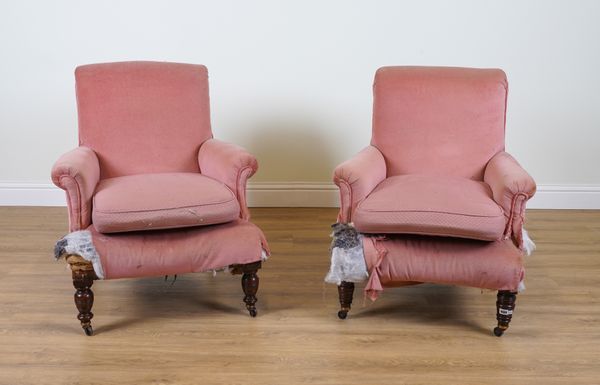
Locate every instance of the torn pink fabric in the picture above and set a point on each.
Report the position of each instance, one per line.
(178, 251)
(406, 259)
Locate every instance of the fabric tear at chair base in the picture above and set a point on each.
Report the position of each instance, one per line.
(347, 256)
(398, 260)
(80, 243)
(227, 269)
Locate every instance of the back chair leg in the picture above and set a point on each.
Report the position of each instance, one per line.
(505, 305)
(345, 292)
(249, 284)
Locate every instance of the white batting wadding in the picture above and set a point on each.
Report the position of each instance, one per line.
(347, 256)
(528, 245)
(80, 243)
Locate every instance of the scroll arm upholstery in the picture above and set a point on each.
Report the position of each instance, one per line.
(229, 164)
(78, 172)
(511, 187)
(356, 178)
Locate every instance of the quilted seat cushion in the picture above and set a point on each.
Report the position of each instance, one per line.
(431, 205)
(161, 201)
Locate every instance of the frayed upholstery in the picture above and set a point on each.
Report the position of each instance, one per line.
(79, 243)
(227, 269)
(414, 259)
(347, 256)
(528, 244)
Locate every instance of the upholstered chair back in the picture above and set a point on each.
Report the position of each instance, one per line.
(439, 120)
(143, 117)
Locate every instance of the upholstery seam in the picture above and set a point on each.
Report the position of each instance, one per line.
(239, 191)
(436, 212)
(79, 200)
(164, 209)
(516, 196)
(435, 234)
(348, 187)
(207, 223)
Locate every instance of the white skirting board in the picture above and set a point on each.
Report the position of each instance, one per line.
(303, 194)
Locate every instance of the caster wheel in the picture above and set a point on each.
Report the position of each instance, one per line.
(342, 314)
(88, 330)
(252, 312)
(498, 332)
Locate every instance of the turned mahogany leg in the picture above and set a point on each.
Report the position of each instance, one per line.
(84, 298)
(505, 305)
(345, 292)
(249, 283)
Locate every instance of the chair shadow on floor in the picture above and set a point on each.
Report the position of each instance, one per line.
(190, 296)
(426, 303)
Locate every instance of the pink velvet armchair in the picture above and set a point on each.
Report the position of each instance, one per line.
(435, 197)
(150, 192)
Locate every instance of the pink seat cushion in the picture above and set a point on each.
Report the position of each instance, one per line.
(161, 201)
(431, 205)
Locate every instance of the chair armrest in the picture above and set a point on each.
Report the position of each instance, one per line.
(78, 172)
(229, 164)
(511, 187)
(356, 178)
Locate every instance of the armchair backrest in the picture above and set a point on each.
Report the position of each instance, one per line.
(439, 120)
(143, 117)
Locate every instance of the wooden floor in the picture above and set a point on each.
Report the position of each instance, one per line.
(197, 331)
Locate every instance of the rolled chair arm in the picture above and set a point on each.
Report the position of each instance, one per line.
(78, 172)
(229, 164)
(356, 178)
(511, 187)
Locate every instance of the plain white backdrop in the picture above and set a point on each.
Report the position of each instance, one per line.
(291, 80)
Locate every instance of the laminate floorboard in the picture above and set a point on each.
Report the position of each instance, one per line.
(197, 331)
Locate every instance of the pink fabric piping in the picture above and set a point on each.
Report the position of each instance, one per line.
(242, 180)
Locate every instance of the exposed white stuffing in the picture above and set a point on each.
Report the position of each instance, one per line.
(528, 244)
(347, 264)
(80, 243)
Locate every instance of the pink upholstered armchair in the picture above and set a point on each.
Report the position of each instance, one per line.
(435, 196)
(149, 190)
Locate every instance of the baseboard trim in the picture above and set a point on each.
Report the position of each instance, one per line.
(31, 194)
(292, 194)
(304, 194)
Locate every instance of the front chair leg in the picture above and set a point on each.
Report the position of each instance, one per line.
(84, 298)
(249, 283)
(345, 292)
(505, 305)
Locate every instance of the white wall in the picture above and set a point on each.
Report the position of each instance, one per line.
(291, 80)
